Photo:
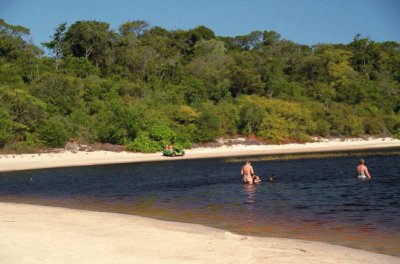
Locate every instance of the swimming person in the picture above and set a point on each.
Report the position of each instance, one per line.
(247, 171)
(272, 178)
(256, 179)
(362, 171)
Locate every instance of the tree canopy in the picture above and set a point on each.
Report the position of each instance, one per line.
(145, 87)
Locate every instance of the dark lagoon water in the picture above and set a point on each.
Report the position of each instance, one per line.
(315, 199)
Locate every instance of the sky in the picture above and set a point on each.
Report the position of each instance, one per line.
(303, 21)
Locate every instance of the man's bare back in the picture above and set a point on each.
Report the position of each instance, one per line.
(247, 172)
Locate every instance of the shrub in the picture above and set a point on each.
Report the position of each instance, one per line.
(53, 133)
(374, 126)
(162, 134)
(251, 117)
(61, 93)
(78, 66)
(143, 143)
(116, 123)
(274, 135)
(6, 125)
(208, 124)
(397, 133)
(300, 136)
(184, 135)
(343, 121)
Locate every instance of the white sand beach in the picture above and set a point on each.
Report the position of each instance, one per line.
(33, 234)
(81, 158)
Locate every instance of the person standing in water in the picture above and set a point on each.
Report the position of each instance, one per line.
(362, 171)
(247, 172)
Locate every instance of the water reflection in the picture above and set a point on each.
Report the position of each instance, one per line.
(250, 197)
(250, 191)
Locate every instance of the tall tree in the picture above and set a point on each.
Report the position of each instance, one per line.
(134, 27)
(55, 44)
(90, 39)
(366, 56)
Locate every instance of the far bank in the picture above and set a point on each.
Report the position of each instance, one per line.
(15, 162)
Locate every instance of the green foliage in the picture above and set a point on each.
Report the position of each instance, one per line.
(6, 126)
(392, 123)
(251, 114)
(79, 67)
(343, 121)
(285, 120)
(229, 117)
(244, 77)
(55, 45)
(184, 141)
(53, 133)
(10, 74)
(185, 115)
(397, 133)
(135, 28)
(274, 135)
(208, 124)
(116, 123)
(147, 87)
(13, 41)
(78, 124)
(162, 134)
(91, 40)
(210, 68)
(62, 93)
(374, 126)
(25, 109)
(143, 143)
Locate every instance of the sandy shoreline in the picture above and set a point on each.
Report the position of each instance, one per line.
(81, 158)
(39, 234)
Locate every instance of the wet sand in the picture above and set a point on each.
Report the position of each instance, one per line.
(39, 234)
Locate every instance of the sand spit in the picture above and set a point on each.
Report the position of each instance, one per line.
(47, 235)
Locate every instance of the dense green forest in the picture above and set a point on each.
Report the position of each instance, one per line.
(145, 87)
